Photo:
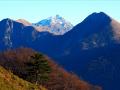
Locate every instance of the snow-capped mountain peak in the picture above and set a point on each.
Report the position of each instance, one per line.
(56, 25)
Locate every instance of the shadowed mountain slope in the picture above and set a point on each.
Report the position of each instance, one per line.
(90, 49)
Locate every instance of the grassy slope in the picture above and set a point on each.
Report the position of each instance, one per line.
(8, 81)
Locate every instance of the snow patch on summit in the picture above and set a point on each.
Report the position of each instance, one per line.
(56, 25)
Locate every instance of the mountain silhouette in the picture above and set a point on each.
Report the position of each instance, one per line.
(90, 49)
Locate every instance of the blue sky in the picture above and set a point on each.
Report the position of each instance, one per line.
(72, 10)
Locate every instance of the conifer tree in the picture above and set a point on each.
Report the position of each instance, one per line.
(38, 69)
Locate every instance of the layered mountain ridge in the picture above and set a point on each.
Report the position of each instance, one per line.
(90, 49)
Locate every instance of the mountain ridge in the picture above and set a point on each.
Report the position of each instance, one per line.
(95, 41)
(59, 79)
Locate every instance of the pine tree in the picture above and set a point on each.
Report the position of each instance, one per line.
(38, 69)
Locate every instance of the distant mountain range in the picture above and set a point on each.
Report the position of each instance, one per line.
(55, 25)
(91, 48)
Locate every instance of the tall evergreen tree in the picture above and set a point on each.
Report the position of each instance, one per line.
(38, 69)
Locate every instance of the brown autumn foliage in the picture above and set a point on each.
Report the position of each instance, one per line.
(59, 79)
(62, 80)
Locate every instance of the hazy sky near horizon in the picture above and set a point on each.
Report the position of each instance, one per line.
(72, 10)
